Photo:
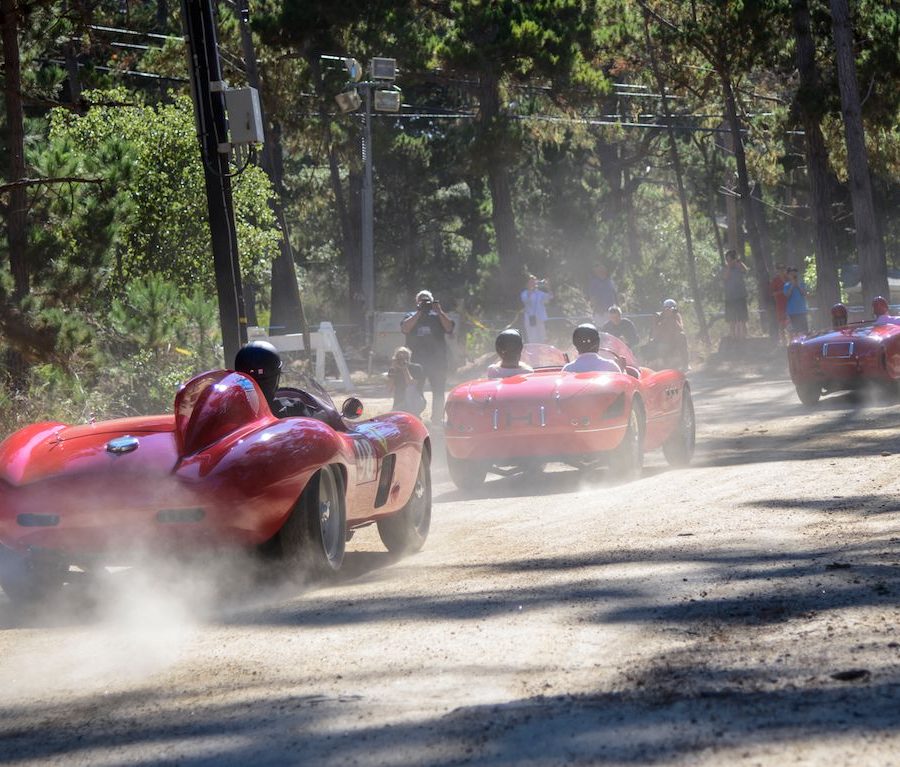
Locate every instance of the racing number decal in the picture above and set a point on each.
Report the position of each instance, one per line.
(366, 464)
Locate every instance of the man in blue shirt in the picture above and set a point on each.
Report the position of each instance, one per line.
(796, 303)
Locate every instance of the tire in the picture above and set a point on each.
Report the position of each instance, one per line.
(466, 475)
(405, 531)
(627, 460)
(809, 393)
(314, 536)
(28, 583)
(679, 448)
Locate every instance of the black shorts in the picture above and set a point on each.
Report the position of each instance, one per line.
(736, 310)
(799, 323)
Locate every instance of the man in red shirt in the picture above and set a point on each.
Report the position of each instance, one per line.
(776, 287)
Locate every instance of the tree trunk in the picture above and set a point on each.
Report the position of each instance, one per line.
(868, 239)
(679, 179)
(828, 289)
(16, 210)
(511, 261)
(760, 257)
(350, 244)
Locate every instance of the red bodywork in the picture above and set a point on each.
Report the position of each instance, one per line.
(551, 415)
(844, 358)
(222, 470)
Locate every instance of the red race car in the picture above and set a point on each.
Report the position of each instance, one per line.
(221, 471)
(845, 358)
(582, 419)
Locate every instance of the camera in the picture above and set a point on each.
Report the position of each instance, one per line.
(542, 285)
(426, 305)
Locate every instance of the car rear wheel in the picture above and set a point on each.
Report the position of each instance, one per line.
(26, 582)
(314, 535)
(679, 448)
(627, 459)
(467, 475)
(405, 532)
(809, 392)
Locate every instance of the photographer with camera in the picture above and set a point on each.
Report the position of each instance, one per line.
(534, 309)
(426, 331)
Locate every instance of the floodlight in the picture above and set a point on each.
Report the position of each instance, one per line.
(383, 69)
(387, 100)
(348, 101)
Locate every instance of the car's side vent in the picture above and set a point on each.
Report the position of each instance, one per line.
(386, 479)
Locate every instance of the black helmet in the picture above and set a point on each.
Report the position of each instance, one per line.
(260, 361)
(508, 341)
(839, 313)
(586, 338)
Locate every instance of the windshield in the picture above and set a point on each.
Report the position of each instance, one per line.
(543, 356)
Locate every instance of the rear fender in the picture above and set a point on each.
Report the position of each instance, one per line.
(16, 450)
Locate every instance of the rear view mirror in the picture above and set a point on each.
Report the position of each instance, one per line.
(352, 408)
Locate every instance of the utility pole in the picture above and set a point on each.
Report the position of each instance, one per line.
(212, 131)
(368, 220)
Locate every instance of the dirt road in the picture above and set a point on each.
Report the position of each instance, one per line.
(742, 611)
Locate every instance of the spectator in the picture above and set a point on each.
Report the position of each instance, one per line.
(602, 293)
(795, 291)
(407, 381)
(621, 327)
(534, 307)
(776, 288)
(586, 339)
(426, 331)
(668, 341)
(509, 347)
(735, 294)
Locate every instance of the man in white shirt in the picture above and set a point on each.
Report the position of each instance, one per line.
(586, 339)
(509, 346)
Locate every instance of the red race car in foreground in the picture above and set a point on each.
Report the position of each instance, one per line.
(845, 358)
(221, 471)
(582, 419)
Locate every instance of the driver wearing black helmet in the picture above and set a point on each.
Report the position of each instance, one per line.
(260, 361)
(509, 346)
(586, 339)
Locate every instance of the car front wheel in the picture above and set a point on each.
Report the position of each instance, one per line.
(679, 448)
(405, 532)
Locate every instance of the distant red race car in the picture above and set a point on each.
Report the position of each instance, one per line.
(220, 471)
(845, 358)
(581, 419)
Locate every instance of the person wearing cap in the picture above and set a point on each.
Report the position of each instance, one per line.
(735, 294)
(621, 327)
(426, 330)
(838, 316)
(668, 339)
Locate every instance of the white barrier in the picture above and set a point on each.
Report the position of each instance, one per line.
(323, 341)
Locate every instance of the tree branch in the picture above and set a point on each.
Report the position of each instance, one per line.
(47, 181)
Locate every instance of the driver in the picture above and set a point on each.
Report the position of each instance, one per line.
(882, 311)
(838, 315)
(586, 339)
(509, 346)
(260, 361)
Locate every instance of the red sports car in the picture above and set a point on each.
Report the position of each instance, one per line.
(220, 471)
(582, 419)
(845, 358)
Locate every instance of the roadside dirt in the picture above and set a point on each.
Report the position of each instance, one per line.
(744, 610)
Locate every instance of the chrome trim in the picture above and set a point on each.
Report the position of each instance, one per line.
(543, 416)
(122, 445)
(847, 356)
(495, 419)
